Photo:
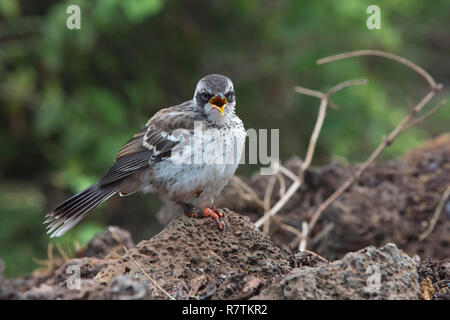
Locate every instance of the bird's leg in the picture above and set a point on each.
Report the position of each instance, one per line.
(215, 214)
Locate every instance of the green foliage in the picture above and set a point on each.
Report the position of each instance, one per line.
(22, 236)
(69, 99)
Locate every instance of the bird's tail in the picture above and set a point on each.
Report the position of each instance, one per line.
(65, 216)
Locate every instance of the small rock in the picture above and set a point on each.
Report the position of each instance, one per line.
(126, 288)
(386, 273)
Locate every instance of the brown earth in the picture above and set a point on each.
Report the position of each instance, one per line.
(190, 259)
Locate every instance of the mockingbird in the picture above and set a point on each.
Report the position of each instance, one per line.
(185, 153)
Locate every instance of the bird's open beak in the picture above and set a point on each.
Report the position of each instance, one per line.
(219, 102)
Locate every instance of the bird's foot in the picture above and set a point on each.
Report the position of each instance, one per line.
(215, 214)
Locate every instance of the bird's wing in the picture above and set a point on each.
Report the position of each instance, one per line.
(152, 144)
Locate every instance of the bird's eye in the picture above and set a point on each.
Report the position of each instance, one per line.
(205, 96)
(230, 96)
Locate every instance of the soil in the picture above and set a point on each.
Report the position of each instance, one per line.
(387, 209)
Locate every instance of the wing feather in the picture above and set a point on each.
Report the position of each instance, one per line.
(133, 145)
(126, 166)
(153, 143)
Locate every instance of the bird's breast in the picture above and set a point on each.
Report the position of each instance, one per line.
(202, 167)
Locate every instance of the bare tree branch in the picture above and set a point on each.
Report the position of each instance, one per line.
(383, 54)
(267, 197)
(303, 238)
(426, 115)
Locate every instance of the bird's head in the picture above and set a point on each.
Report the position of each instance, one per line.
(215, 95)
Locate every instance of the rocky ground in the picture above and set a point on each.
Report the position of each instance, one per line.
(365, 246)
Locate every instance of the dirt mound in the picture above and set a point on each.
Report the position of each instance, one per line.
(190, 259)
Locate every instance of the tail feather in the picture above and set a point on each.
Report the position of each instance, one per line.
(70, 212)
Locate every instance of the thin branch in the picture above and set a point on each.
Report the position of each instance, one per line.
(195, 287)
(267, 196)
(278, 169)
(309, 92)
(249, 191)
(279, 204)
(303, 239)
(285, 226)
(61, 251)
(288, 173)
(282, 183)
(50, 251)
(323, 233)
(269, 190)
(436, 214)
(383, 54)
(346, 84)
(147, 276)
(426, 115)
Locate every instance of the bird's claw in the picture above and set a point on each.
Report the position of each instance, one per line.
(217, 216)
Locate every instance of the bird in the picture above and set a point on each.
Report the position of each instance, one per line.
(185, 153)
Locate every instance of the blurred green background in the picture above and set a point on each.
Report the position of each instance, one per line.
(69, 99)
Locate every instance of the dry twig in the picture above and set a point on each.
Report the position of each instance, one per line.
(61, 251)
(282, 183)
(279, 221)
(436, 214)
(249, 193)
(383, 54)
(267, 196)
(147, 276)
(426, 115)
(302, 245)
